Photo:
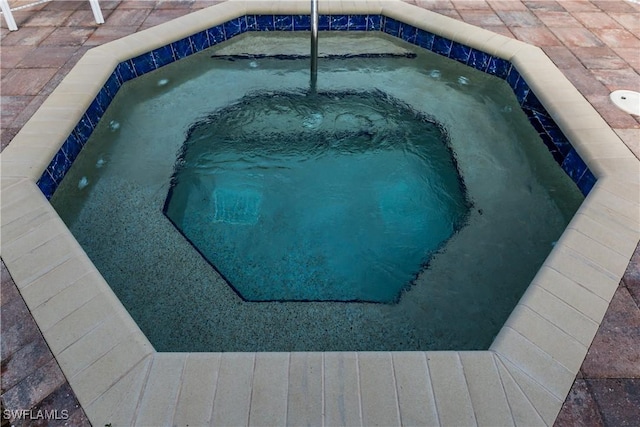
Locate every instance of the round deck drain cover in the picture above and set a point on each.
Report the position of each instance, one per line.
(627, 100)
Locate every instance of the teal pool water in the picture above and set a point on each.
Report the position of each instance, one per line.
(317, 197)
(113, 197)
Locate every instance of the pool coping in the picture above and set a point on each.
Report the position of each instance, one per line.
(120, 379)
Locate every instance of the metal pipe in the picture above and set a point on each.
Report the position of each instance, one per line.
(314, 43)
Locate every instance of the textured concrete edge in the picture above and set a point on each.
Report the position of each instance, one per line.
(533, 371)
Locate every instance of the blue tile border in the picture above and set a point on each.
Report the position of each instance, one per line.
(550, 134)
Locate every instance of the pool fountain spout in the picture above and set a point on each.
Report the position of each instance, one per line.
(314, 44)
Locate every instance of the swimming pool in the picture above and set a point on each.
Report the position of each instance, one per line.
(456, 295)
(531, 368)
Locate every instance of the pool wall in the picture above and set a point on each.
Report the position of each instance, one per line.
(120, 379)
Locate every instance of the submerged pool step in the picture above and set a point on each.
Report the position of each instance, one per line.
(238, 206)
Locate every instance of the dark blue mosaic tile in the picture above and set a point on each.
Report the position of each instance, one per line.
(548, 142)
(94, 113)
(392, 27)
(71, 147)
(323, 22)
(521, 90)
(200, 41)
(424, 39)
(112, 85)
(548, 129)
(586, 183)
(83, 129)
(357, 23)
(234, 27)
(103, 99)
(442, 46)
(264, 23)
(59, 166)
(283, 22)
(559, 140)
(460, 52)
(532, 102)
(182, 48)
(216, 35)
(252, 22)
(47, 185)
(163, 55)
(125, 71)
(498, 67)
(574, 166)
(339, 23)
(513, 77)
(374, 23)
(143, 64)
(408, 33)
(302, 23)
(535, 122)
(544, 118)
(478, 60)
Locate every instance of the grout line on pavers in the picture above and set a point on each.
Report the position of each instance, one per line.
(602, 248)
(567, 302)
(433, 391)
(39, 274)
(7, 246)
(253, 372)
(615, 212)
(587, 384)
(506, 396)
(606, 216)
(541, 350)
(93, 329)
(552, 322)
(505, 369)
(583, 259)
(466, 382)
(635, 202)
(324, 401)
(600, 224)
(359, 390)
(286, 403)
(20, 198)
(83, 304)
(144, 384)
(395, 384)
(13, 182)
(62, 290)
(575, 281)
(395, 389)
(40, 211)
(50, 271)
(215, 389)
(83, 368)
(598, 242)
(180, 387)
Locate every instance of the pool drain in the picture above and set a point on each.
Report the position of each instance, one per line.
(627, 100)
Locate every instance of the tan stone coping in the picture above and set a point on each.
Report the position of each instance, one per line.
(119, 378)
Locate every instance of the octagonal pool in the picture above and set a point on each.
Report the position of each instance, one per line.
(457, 289)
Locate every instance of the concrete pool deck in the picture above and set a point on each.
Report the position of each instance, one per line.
(450, 373)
